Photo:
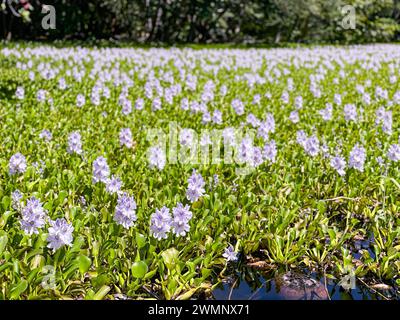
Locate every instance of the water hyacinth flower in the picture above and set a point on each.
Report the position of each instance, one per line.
(113, 185)
(238, 106)
(126, 107)
(350, 112)
(17, 164)
(326, 113)
(41, 95)
(20, 93)
(270, 151)
(387, 122)
(101, 170)
(157, 157)
(181, 217)
(125, 211)
(186, 137)
(60, 234)
(74, 143)
(139, 104)
(257, 157)
(195, 188)
(16, 197)
(301, 138)
(339, 164)
(252, 120)
(230, 254)
(311, 146)
(229, 136)
(80, 100)
(46, 135)
(160, 223)
(245, 150)
(217, 117)
(294, 116)
(33, 216)
(394, 152)
(357, 158)
(156, 104)
(125, 138)
(62, 85)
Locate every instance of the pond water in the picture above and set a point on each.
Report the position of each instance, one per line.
(258, 286)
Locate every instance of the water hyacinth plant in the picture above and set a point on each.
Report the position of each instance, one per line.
(158, 172)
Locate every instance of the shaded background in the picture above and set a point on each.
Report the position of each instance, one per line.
(203, 21)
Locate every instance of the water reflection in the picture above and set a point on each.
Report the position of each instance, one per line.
(250, 285)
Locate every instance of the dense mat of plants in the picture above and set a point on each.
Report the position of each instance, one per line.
(91, 207)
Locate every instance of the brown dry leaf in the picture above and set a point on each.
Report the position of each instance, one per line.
(259, 265)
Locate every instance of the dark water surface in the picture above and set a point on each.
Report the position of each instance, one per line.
(258, 286)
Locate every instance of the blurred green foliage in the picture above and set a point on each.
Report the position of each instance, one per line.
(206, 21)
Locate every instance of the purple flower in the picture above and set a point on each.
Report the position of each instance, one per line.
(181, 212)
(125, 138)
(101, 170)
(266, 126)
(301, 137)
(181, 218)
(33, 216)
(238, 106)
(245, 150)
(45, 135)
(157, 158)
(217, 117)
(74, 143)
(357, 158)
(60, 234)
(156, 105)
(337, 99)
(311, 146)
(195, 187)
(230, 254)
(186, 137)
(387, 122)
(339, 164)
(257, 157)
(350, 112)
(17, 164)
(113, 185)
(252, 120)
(160, 223)
(139, 104)
(394, 152)
(80, 100)
(126, 107)
(270, 151)
(125, 211)
(294, 116)
(298, 102)
(41, 95)
(229, 136)
(20, 93)
(62, 85)
(326, 113)
(16, 197)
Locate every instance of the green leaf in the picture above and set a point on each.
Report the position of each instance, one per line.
(19, 289)
(140, 240)
(139, 269)
(84, 263)
(99, 295)
(170, 257)
(3, 243)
